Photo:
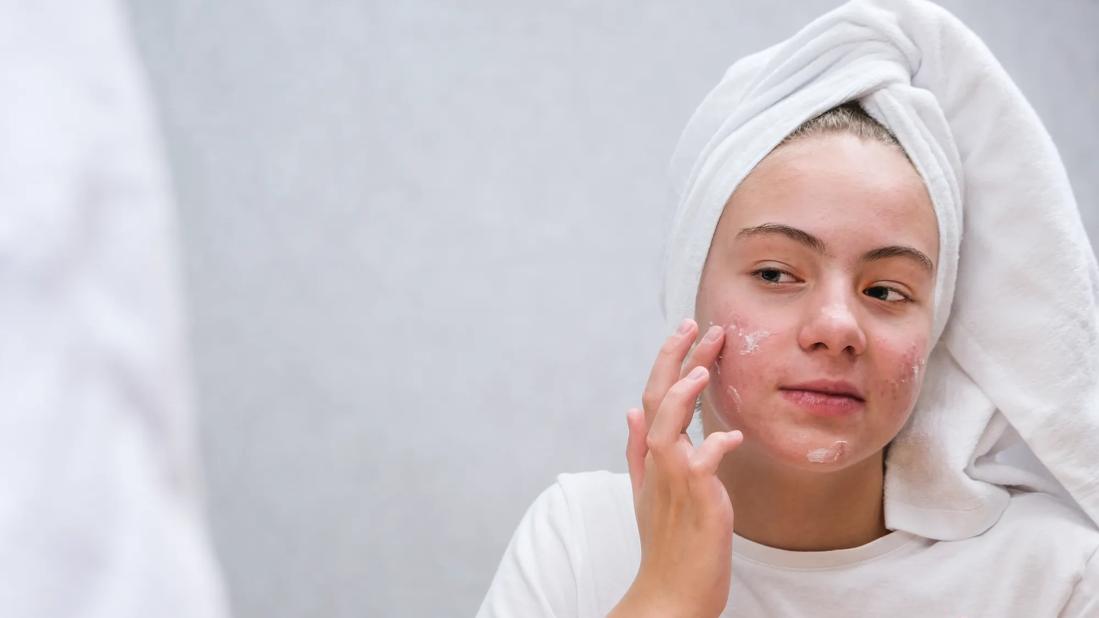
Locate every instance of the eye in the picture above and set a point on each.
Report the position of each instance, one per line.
(772, 276)
(886, 293)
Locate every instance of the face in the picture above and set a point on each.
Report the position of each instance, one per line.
(822, 273)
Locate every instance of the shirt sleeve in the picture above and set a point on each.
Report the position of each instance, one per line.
(537, 575)
(1084, 601)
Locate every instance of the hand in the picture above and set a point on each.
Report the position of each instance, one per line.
(684, 515)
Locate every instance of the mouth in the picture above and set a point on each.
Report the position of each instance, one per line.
(835, 388)
(824, 397)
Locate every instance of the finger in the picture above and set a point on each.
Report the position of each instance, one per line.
(676, 410)
(706, 352)
(636, 448)
(666, 367)
(706, 458)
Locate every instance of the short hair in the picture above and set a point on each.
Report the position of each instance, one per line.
(849, 118)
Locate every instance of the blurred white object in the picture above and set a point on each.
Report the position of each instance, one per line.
(100, 502)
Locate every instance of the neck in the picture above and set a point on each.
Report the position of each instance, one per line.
(778, 505)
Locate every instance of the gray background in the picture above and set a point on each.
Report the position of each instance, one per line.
(423, 243)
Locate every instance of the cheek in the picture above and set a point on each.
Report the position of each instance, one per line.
(899, 371)
(745, 369)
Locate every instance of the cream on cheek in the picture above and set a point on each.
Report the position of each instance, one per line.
(741, 395)
(749, 338)
(744, 395)
(740, 370)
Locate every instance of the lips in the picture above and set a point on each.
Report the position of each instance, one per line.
(827, 387)
(826, 399)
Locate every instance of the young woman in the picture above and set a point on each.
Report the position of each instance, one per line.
(818, 291)
(854, 399)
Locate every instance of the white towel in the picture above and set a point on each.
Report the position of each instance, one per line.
(1011, 393)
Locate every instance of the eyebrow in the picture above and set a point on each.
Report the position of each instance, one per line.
(817, 245)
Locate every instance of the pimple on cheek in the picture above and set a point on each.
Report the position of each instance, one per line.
(906, 373)
(913, 364)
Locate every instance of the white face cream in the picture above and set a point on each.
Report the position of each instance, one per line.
(829, 454)
(735, 394)
(749, 340)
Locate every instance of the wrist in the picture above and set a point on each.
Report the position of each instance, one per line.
(640, 602)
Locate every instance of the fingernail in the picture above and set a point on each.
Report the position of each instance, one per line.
(684, 326)
(712, 334)
(697, 373)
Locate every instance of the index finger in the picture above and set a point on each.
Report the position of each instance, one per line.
(707, 351)
(666, 367)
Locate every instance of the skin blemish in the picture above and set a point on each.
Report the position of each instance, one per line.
(907, 375)
(914, 360)
(829, 454)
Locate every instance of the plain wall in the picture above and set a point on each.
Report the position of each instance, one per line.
(423, 243)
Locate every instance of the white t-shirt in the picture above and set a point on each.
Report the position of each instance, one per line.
(577, 550)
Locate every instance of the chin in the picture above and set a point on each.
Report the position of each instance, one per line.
(802, 446)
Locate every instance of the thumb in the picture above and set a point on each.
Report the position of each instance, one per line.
(636, 448)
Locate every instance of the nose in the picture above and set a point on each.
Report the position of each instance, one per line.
(831, 324)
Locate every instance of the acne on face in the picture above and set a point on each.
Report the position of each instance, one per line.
(753, 354)
(735, 399)
(743, 340)
(742, 363)
(911, 371)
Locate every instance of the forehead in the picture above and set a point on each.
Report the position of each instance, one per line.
(847, 191)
